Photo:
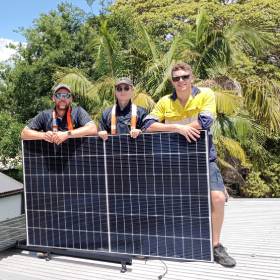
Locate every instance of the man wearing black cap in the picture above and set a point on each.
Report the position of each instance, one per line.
(58, 124)
(124, 117)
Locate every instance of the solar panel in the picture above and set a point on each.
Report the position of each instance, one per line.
(147, 196)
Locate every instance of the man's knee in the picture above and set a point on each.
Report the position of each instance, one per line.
(217, 198)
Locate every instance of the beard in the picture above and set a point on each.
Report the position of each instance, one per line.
(62, 105)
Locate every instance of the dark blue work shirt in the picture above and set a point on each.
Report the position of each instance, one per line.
(43, 121)
(124, 119)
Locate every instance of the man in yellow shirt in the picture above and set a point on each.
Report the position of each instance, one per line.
(187, 110)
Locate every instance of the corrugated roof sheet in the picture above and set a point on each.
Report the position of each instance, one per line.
(11, 231)
(251, 233)
(8, 184)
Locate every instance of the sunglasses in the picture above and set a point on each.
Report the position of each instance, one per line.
(60, 95)
(178, 78)
(120, 89)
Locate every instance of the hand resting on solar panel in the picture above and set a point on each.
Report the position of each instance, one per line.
(190, 131)
(124, 117)
(186, 111)
(60, 123)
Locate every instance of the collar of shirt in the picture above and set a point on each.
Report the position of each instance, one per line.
(123, 111)
(195, 91)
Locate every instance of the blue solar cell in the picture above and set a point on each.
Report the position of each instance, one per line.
(156, 187)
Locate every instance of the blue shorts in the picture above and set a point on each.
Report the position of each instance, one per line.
(216, 180)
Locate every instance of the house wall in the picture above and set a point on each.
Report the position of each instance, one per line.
(10, 207)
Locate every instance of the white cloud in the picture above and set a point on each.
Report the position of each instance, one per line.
(5, 52)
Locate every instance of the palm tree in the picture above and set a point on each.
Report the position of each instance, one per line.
(244, 110)
(111, 62)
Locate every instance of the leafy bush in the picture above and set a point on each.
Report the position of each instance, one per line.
(10, 130)
(272, 177)
(16, 173)
(255, 186)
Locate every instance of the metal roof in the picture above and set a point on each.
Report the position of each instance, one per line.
(9, 185)
(11, 231)
(251, 234)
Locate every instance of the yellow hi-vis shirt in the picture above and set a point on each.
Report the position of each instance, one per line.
(201, 103)
(200, 106)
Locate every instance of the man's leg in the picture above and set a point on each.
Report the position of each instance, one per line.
(217, 204)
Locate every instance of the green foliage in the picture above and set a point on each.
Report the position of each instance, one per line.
(16, 173)
(272, 145)
(144, 100)
(166, 17)
(27, 88)
(9, 137)
(59, 39)
(265, 183)
(228, 146)
(234, 45)
(272, 177)
(227, 102)
(75, 78)
(162, 17)
(262, 97)
(255, 186)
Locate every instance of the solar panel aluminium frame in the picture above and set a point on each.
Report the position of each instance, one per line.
(108, 210)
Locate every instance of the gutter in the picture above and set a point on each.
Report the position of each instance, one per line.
(10, 193)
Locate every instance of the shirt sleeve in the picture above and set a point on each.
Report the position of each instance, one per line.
(83, 117)
(207, 113)
(104, 123)
(38, 123)
(143, 121)
(158, 113)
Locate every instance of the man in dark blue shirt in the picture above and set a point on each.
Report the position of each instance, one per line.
(124, 117)
(63, 121)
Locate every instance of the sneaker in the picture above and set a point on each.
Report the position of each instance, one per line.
(42, 255)
(222, 257)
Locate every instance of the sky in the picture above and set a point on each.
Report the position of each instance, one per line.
(21, 13)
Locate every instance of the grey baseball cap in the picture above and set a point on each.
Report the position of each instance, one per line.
(124, 80)
(59, 86)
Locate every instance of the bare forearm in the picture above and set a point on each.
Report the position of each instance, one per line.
(171, 127)
(162, 127)
(195, 124)
(86, 130)
(30, 134)
(190, 131)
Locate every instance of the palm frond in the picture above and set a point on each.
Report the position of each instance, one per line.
(75, 78)
(148, 43)
(223, 126)
(157, 74)
(243, 38)
(262, 97)
(224, 165)
(143, 99)
(202, 24)
(247, 130)
(227, 102)
(105, 47)
(102, 95)
(234, 149)
(103, 88)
